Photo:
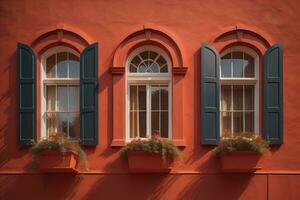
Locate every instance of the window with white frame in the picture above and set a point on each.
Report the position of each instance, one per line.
(239, 91)
(148, 99)
(60, 92)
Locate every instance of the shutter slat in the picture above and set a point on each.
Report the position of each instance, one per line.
(89, 95)
(26, 95)
(273, 95)
(210, 89)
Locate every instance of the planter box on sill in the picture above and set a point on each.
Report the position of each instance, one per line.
(57, 162)
(143, 162)
(240, 162)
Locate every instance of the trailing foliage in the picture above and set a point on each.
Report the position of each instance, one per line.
(241, 142)
(58, 142)
(155, 144)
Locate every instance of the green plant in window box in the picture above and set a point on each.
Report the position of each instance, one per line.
(151, 155)
(243, 141)
(58, 142)
(155, 144)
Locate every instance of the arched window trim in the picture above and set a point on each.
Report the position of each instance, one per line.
(148, 78)
(48, 81)
(250, 81)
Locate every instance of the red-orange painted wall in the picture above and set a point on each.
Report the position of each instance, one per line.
(197, 175)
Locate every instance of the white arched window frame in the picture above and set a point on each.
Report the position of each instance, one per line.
(54, 81)
(242, 81)
(148, 79)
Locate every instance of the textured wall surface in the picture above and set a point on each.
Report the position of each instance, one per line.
(191, 23)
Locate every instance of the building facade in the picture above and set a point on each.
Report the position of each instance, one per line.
(108, 72)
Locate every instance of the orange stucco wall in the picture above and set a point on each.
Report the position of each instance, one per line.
(188, 23)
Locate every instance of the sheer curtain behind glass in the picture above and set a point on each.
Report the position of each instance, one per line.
(148, 99)
(62, 94)
(237, 93)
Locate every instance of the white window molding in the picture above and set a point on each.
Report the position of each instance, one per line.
(243, 81)
(52, 82)
(148, 79)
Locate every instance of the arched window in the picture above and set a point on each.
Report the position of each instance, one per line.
(239, 90)
(60, 92)
(148, 101)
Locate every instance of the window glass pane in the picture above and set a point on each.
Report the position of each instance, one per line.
(51, 123)
(74, 125)
(133, 124)
(164, 124)
(249, 97)
(62, 65)
(153, 55)
(226, 97)
(136, 61)
(249, 121)
(154, 121)
(237, 122)
(142, 123)
(74, 98)
(164, 69)
(161, 61)
(62, 120)
(226, 123)
(164, 98)
(237, 58)
(50, 66)
(62, 98)
(226, 65)
(249, 65)
(237, 97)
(133, 97)
(57, 123)
(144, 55)
(133, 68)
(51, 98)
(155, 90)
(142, 97)
(155, 68)
(74, 66)
(142, 68)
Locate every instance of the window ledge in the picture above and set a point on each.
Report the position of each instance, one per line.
(122, 143)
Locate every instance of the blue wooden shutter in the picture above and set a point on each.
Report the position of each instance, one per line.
(26, 95)
(210, 95)
(273, 95)
(89, 95)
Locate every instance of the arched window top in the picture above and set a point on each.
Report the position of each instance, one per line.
(239, 62)
(61, 63)
(148, 60)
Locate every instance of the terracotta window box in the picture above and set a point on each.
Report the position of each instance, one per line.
(143, 162)
(57, 162)
(240, 162)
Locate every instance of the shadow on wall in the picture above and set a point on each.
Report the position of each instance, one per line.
(39, 186)
(160, 186)
(9, 148)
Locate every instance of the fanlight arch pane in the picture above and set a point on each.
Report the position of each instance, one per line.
(62, 65)
(148, 62)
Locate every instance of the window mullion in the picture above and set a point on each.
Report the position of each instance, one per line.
(68, 93)
(231, 110)
(68, 65)
(55, 65)
(244, 112)
(231, 65)
(148, 108)
(159, 109)
(138, 113)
